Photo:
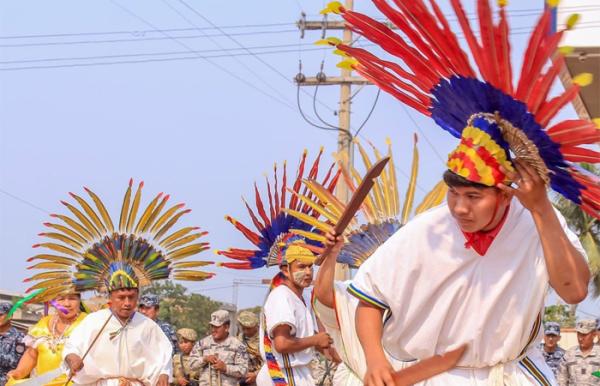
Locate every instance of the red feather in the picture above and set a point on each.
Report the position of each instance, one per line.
(260, 207)
(579, 154)
(270, 195)
(253, 237)
(246, 265)
(549, 109)
(298, 182)
(257, 224)
(503, 45)
(277, 206)
(540, 90)
(469, 36)
(486, 28)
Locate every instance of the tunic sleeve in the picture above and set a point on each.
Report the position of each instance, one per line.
(197, 356)
(278, 312)
(163, 350)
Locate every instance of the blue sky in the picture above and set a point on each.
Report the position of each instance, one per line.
(198, 130)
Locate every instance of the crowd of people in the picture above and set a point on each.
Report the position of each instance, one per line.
(218, 359)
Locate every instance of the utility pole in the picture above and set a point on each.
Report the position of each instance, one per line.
(345, 81)
(345, 148)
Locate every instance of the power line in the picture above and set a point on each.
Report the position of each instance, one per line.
(256, 75)
(142, 32)
(267, 64)
(17, 198)
(140, 39)
(214, 64)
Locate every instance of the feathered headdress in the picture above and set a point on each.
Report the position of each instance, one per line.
(381, 209)
(489, 114)
(88, 253)
(273, 237)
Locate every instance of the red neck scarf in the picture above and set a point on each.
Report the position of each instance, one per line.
(481, 241)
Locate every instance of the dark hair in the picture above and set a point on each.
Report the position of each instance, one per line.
(453, 180)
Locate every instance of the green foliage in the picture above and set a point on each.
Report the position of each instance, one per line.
(182, 309)
(561, 314)
(587, 229)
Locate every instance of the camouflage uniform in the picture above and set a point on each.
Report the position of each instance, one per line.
(553, 358)
(152, 300)
(231, 351)
(182, 369)
(576, 369)
(322, 370)
(11, 346)
(255, 361)
(182, 363)
(169, 331)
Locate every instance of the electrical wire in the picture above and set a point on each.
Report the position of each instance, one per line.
(214, 64)
(314, 104)
(249, 69)
(422, 132)
(23, 201)
(267, 64)
(312, 123)
(362, 125)
(140, 39)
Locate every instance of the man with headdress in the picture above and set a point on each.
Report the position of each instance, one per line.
(150, 306)
(476, 270)
(90, 252)
(11, 343)
(289, 336)
(249, 336)
(130, 350)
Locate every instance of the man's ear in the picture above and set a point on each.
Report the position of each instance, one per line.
(285, 269)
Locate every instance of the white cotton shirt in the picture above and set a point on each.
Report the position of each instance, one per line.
(442, 295)
(285, 307)
(141, 351)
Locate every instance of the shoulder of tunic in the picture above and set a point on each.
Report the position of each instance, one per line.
(41, 328)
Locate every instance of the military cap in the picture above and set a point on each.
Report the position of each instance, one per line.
(247, 319)
(586, 326)
(219, 318)
(187, 334)
(149, 300)
(552, 328)
(5, 307)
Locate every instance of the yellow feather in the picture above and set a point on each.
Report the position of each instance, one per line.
(191, 264)
(309, 235)
(125, 209)
(187, 251)
(393, 181)
(165, 216)
(50, 275)
(321, 209)
(176, 235)
(49, 284)
(63, 238)
(146, 214)
(192, 275)
(84, 220)
(68, 232)
(155, 213)
(90, 212)
(103, 212)
(48, 265)
(55, 259)
(134, 208)
(333, 204)
(412, 185)
(169, 224)
(309, 220)
(182, 241)
(433, 198)
(60, 248)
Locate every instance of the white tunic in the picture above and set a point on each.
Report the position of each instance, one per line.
(284, 307)
(140, 352)
(439, 295)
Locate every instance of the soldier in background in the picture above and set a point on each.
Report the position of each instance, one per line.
(183, 373)
(553, 354)
(581, 361)
(11, 343)
(249, 336)
(221, 359)
(149, 305)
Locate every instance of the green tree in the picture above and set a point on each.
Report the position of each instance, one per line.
(182, 309)
(561, 314)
